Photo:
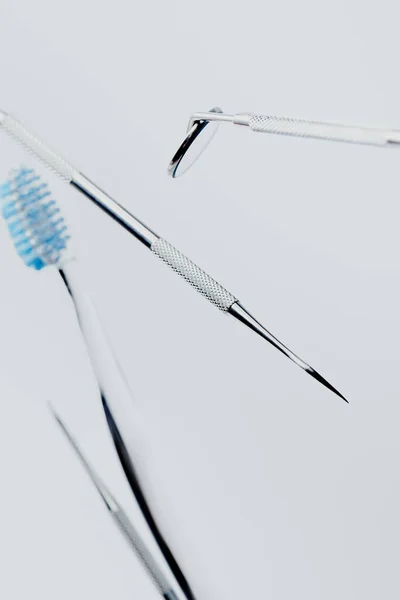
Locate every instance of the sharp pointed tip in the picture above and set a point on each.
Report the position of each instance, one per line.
(241, 314)
(325, 383)
(342, 397)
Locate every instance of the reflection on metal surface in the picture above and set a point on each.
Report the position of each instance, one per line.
(276, 125)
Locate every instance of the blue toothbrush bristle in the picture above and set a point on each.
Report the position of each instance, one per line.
(34, 221)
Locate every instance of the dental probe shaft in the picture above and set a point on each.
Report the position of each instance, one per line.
(122, 521)
(200, 280)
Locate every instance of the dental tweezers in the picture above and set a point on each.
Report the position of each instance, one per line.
(201, 281)
(122, 521)
(202, 127)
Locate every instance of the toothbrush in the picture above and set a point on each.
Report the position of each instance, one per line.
(41, 239)
(122, 521)
(179, 263)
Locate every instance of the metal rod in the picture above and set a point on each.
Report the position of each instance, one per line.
(143, 233)
(121, 520)
(175, 259)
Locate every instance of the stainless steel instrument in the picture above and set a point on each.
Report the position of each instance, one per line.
(202, 127)
(201, 281)
(122, 521)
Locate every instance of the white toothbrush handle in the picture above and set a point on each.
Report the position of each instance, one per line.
(110, 378)
(123, 418)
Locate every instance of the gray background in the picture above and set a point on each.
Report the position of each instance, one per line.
(266, 484)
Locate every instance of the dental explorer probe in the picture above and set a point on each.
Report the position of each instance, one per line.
(122, 521)
(179, 263)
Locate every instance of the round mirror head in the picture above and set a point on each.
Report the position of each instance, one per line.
(196, 141)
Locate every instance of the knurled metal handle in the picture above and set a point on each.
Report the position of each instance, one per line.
(203, 283)
(326, 131)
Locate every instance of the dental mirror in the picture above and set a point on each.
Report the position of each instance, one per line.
(199, 135)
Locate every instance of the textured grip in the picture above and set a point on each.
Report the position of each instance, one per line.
(203, 283)
(143, 554)
(47, 156)
(313, 129)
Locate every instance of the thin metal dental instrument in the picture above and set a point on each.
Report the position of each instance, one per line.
(122, 521)
(201, 281)
(42, 239)
(202, 127)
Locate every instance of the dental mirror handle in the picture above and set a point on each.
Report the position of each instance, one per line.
(319, 130)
